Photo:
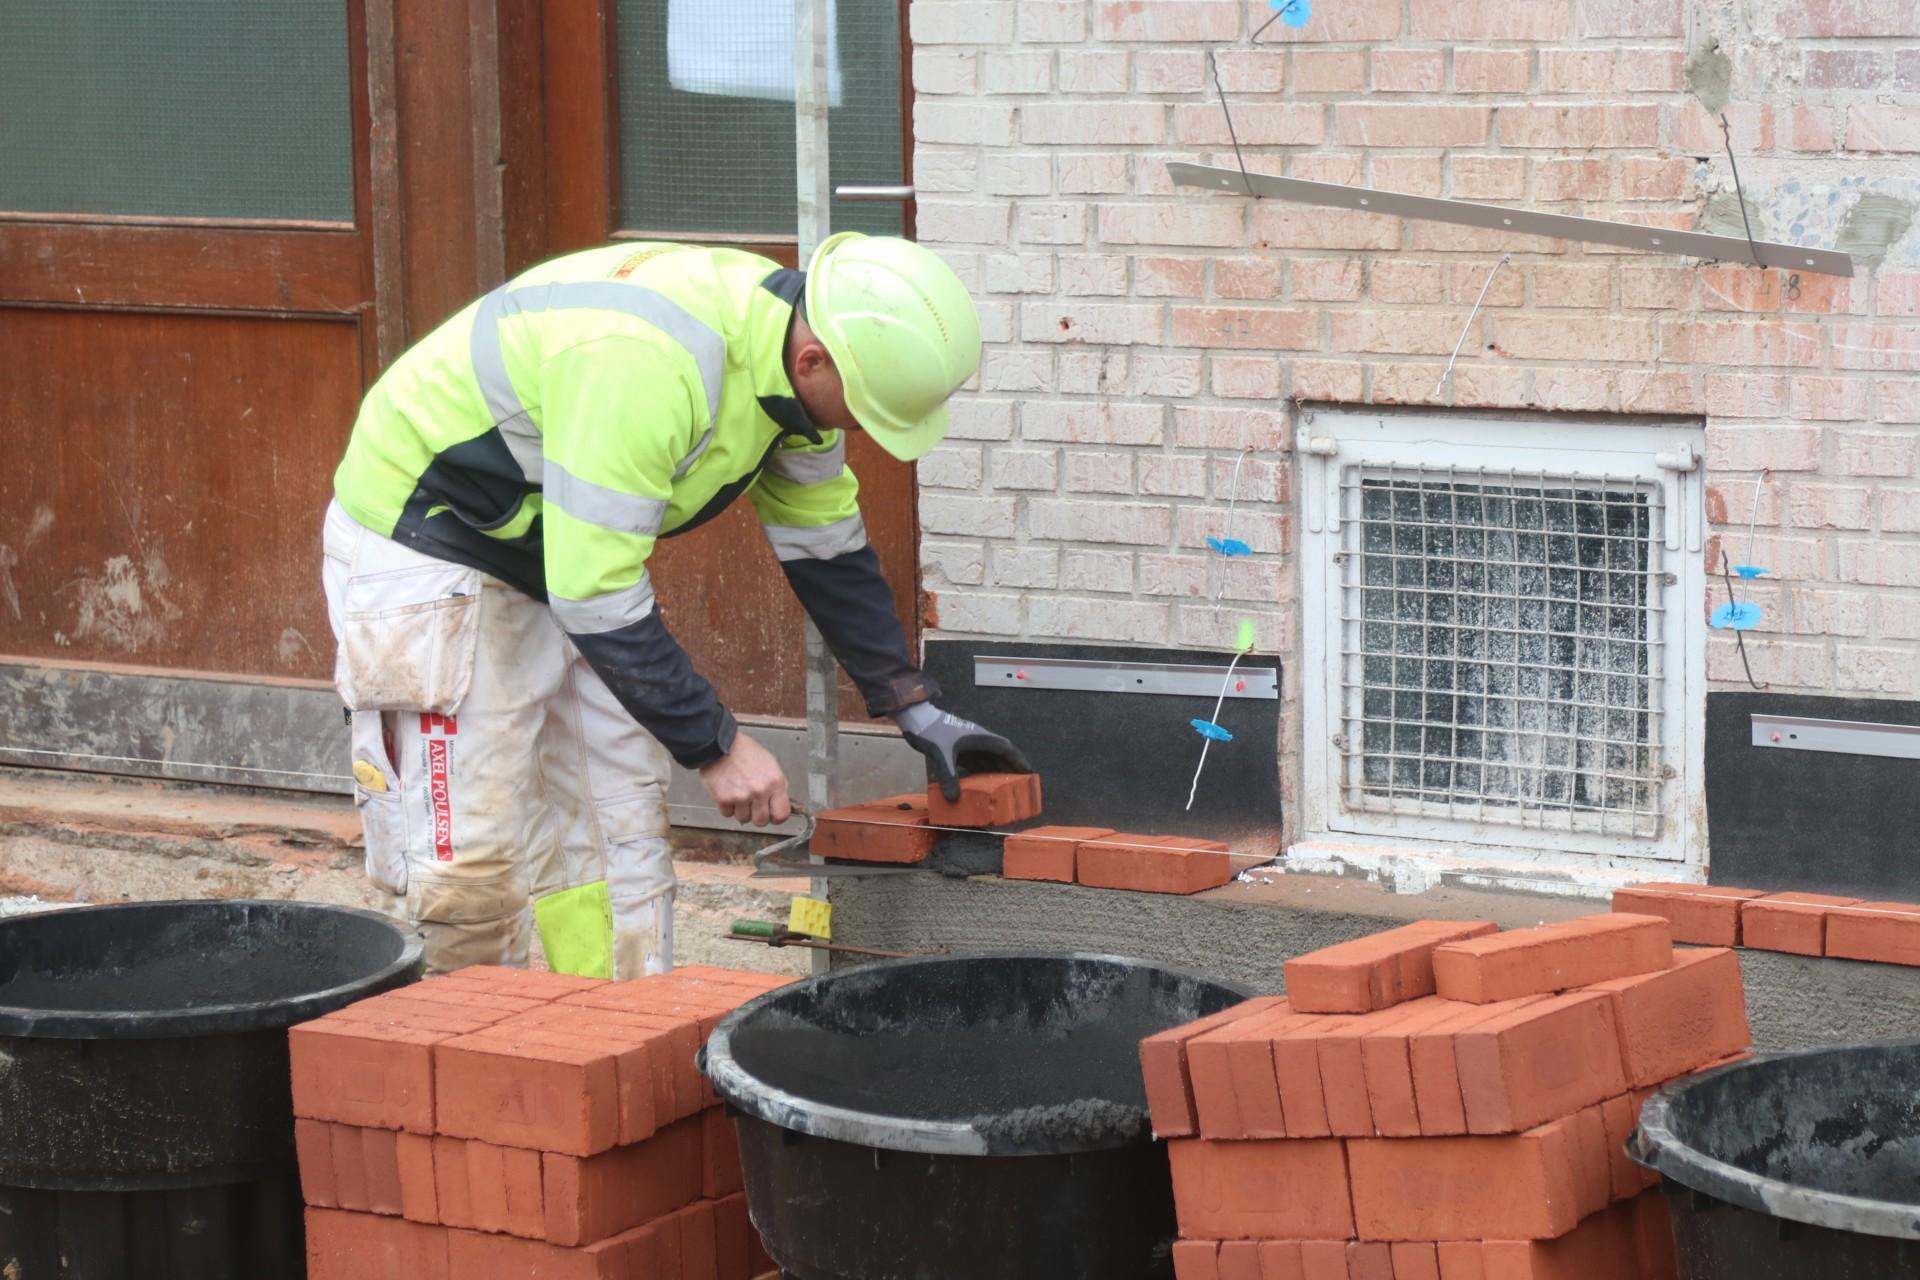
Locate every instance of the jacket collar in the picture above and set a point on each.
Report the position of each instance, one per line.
(772, 311)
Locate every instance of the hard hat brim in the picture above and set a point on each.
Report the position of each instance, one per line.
(916, 441)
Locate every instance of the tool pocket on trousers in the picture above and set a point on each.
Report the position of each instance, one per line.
(408, 638)
(376, 797)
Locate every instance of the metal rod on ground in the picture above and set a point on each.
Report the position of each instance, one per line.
(815, 191)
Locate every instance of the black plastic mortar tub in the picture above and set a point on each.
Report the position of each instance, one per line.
(146, 1115)
(959, 1118)
(1802, 1164)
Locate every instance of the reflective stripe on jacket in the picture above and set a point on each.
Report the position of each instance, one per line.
(551, 432)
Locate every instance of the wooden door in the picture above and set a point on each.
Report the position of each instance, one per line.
(715, 170)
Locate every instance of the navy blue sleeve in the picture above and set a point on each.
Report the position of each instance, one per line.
(850, 602)
(654, 680)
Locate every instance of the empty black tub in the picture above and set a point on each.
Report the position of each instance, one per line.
(1803, 1164)
(146, 1119)
(959, 1118)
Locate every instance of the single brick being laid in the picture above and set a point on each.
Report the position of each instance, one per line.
(1707, 915)
(1290, 1189)
(1888, 932)
(1376, 971)
(1166, 1063)
(1519, 1187)
(987, 800)
(1795, 923)
(1153, 864)
(1552, 957)
(1047, 853)
(886, 831)
(1679, 1019)
(1540, 1063)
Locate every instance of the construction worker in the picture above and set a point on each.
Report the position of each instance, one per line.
(513, 691)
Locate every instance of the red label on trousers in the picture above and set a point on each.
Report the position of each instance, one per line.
(440, 792)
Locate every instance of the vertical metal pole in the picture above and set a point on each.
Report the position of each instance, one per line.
(810, 99)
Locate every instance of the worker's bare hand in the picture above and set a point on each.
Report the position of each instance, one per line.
(747, 784)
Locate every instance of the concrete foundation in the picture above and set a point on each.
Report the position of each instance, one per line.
(1245, 933)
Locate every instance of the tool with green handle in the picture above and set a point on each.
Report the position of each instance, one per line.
(776, 935)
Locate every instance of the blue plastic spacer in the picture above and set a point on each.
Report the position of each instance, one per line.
(1294, 13)
(1208, 729)
(1747, 570)
(1741, 616)
(1230, 546)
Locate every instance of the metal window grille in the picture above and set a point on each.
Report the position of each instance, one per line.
(1502, 654)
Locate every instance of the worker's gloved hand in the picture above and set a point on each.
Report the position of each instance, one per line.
(954, 747)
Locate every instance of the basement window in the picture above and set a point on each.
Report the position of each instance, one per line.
(1510, 623)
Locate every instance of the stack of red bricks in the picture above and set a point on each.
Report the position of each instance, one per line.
(501, 1122)
(1440, 1102)
(1805, 924)
(904, 828)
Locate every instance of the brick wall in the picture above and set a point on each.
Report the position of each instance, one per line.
(1139, 339)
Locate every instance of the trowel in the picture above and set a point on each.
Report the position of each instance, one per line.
(787, 859)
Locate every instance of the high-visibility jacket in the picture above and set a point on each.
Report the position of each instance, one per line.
(550, 433)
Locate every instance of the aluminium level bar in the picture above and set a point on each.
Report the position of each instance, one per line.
(1558, 226)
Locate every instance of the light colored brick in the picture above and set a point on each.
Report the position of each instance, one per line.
(1633, 19)
(1506, 288)
(1649, 179)
(942, 71)
(1758, 395)
(1257, 278)
(966, 516)
(1898, 617)
(1880, 669)
(1210, 224)
(1396, 126)
(1162, 575)
(1875, 453)
(1017, 273)
(1088, 520)
(1657, 288)
(1492, 20)
(1357, 22)
(1264, 531)
(1747, 344)
(1155, 277)
(1577, 70)
(1899, 511)
(1335, 381)
(996, 320)
(1090, 175)
(1897, 293)
(1024, 72)
(1005, 173)
(1579, 128)
(963, 221)
(1279, 124)
(1096, 275)
(1882, 128)
(1829, 506)
(1329, 71)
(1169, 71)
(1092, 373)
(1021, 369)
(1572, 286)
(1441, 237)
(1052, 223)
(1178, 476)
(1886, 347)
(1777, 663)
(1166, 21)
(1843, 69)
(1830, 19)
(1396, 332)
(1492, 70)
(952, 467)
(1644, 392)
(1409, 71)
(1094, 71)
(1293, 227)
(1325, 279)
(1555, 180)
(1021, 566)
(1251, 71)
(1245, 377)
(1830, 399)
(1107, 471)
(1090, 124)
(1414, 175)
(1071, 422)
(963, 123)
(1066, 617)
(1762, 448)
(977, 613)
(1114, 324)
(1259, 479)
(1830, 613)
(952, 563)
(1023, 468)
(1157, 374)
(1529, 337)
(1106, 571)
(1400, 281)
(1897, 401)
(940, 169)
(1488, 177)
(1891, 562)
(1577, 390)
(972, 418)
(1347, 168)
(1242, 328)
(1654, 71)
(983, 22)
(1206, 427)
(1052, 21)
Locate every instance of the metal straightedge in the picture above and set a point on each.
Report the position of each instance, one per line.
(1558, 226)
(1186, 680)
(1842, 737)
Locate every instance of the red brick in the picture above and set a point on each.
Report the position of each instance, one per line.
(1296, 1068)
(1240, 1260)
(1164, 1065)
(1196, 1260)
(1790, 922)
(1705, 914)
(452, 1184)
(1047, 853)
(1461, 1260)
(1369, 1261)
(595, 1197)
(1416, 1262)
(720, 1155)
(1153, 864)
(441, 993)
(419, 1199)
(1209, 1069)
(1323, 1260)
(366, 1246)
(643, 1051)
(1885, 931)
(1592, 1167)
(987, 800)
(381, 1155)
(1653, 1232)
(699, 1255)
(504, 1184)
(313, 1144)
(361, 1074)
(1540, 1063)
(1436, 1068)
(443, 1020)
(678, 1088)
(1280, 1190)
(1256, 1085)
(1620, 1116)
(525, 1090)
(473, 1254)
(1386, 1056)
(349, 1166)
(1554, 957)
(874, 833)
(1679, 1019)
(733, 1238)
(1604, 1247)
(1517, 1187)
(526, 984)
(1343, 1077)
(1374, 972)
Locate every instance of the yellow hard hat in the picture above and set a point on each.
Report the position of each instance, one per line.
(902, 331)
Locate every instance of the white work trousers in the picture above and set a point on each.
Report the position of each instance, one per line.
(492, 765)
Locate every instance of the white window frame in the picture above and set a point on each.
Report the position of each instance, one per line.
(1330, 441)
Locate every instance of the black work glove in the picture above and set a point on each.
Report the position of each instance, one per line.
(954, 747)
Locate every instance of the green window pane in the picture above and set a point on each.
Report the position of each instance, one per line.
(706, 115)
(176, 108)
